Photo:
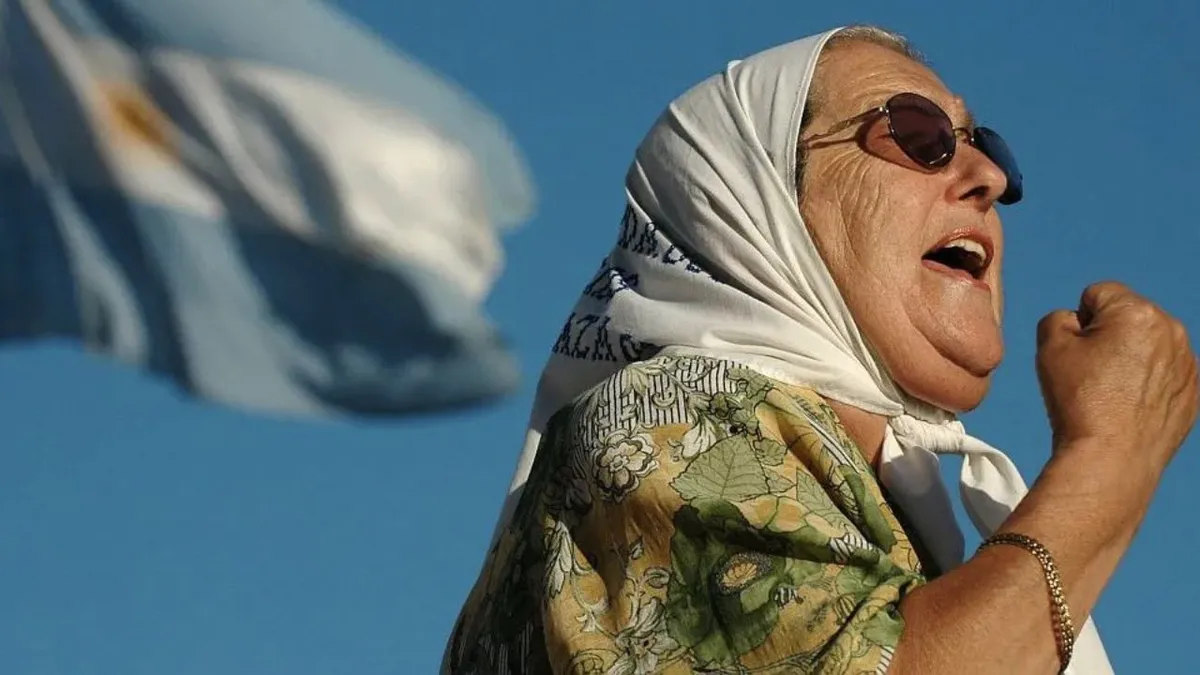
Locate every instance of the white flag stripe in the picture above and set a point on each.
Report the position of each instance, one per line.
(312, 157)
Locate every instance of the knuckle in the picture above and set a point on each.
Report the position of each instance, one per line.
(1104, 290)
(1110, 285)
(1051, 324)
(1046, 323)
(1144, 312)
(1180, 332)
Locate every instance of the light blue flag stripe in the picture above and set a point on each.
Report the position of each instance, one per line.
(233, 307)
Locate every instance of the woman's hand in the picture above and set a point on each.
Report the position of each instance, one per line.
(1118, 377)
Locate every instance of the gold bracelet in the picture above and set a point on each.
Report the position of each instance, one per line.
(1064, 627)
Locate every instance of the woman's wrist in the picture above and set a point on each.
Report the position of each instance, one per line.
(1127, 464)
(1085, 505)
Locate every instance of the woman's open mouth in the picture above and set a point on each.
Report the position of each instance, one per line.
(964, 256)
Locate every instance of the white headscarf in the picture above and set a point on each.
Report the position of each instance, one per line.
(716, 178)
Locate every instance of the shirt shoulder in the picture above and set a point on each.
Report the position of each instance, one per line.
(719, 430)
(681, 495)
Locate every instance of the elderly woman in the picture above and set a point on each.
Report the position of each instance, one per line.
(732, 459)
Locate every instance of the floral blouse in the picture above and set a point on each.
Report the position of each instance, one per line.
(691, 515)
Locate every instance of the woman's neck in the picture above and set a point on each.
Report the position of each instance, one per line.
(864, 428)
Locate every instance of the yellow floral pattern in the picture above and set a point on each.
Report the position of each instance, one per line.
(691, 515)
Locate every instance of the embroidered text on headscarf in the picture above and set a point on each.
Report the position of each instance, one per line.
(591, 336)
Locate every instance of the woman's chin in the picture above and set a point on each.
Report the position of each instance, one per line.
(953, 377)
(957, 392)
(967, 395)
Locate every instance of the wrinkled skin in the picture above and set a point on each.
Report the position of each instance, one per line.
(874, 214)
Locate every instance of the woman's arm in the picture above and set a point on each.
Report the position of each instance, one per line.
(1120, 383)
(994, 611)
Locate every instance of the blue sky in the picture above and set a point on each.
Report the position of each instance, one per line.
(143, 534)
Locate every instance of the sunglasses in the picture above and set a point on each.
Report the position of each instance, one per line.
(924, 132)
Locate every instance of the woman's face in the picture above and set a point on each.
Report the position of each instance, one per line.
(876, 217)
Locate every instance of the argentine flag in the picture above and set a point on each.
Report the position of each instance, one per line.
(256, 198)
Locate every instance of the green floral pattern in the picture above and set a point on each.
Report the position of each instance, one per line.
(691, 515)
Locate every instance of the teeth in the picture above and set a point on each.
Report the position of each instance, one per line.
(969, 245)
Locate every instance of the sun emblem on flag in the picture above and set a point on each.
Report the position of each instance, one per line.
(135, 117)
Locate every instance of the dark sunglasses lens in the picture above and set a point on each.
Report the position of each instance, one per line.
(921, 129)
(990, 144)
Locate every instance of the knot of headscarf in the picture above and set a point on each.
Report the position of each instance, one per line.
(945, 438)
(990, 484)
